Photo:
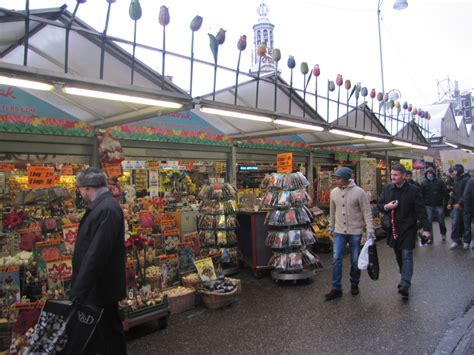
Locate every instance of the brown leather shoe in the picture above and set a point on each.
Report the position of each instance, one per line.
(333, 295)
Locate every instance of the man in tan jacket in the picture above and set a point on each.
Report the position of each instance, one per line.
(350, 214)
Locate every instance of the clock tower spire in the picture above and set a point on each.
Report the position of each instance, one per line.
(263, 33)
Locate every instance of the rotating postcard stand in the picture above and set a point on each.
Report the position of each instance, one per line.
(290, 231)
(218, 222)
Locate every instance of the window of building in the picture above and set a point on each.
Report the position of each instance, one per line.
(259, 38)
(271, 39)
(265, 37)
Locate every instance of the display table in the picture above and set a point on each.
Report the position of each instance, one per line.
(251, 237)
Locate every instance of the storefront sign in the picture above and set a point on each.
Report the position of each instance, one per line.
(154, 164)
(451, 162)
(220, 167)
(407, 163)
(113, 170)
(465, 161)
(418, 164)
(134, 164)
(40, 177)
(285, 163)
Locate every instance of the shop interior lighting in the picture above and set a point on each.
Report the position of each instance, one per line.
(451, 144)
(120, 97)
(244, 116)
(404, 144)
(346, 133)
(416, 146)
(298, 125)
(376, 139)
(29, 84)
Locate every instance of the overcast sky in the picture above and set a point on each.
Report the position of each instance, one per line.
(428, 41)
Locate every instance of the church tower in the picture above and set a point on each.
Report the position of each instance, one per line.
(263, 32)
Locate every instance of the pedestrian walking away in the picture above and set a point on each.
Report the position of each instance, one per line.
(403, 202)
(459, 223)
(434, 192)
(469, 210)
(98, 261)
(409, 178)
(350, 214)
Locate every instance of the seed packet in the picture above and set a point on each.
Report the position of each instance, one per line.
(205, 269)
(299, 198)
(295, 261)
(231, 222)
(294, 238)
(225, 257)
(169, 270)
(231, 238)
(290, 218)
(220, 221)
(171, 240)
(207, 222)
(278, 239)
(282, 262)
(194, 239)
(207, 238)
(284, 199)
(308, 258)
(230, 207)
(308, 237)
(221, 238)
(267, 200)
(186, 257)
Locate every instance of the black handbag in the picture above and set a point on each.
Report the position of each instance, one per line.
(386, 222)
(373, 268)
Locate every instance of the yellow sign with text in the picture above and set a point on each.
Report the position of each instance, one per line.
(407, 163)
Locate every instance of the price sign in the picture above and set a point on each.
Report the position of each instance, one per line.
(113, 170)
(6, 168)
(40, 177)
(66, 170)
(285, 163)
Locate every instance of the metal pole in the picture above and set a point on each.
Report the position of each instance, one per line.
(380, 45)
(27, 32)
(232, 166)
(309, 174)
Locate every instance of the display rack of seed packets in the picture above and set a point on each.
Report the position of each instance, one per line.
(218, 223)
(290, 235)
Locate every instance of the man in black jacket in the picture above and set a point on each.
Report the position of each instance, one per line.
(458, 222)
(469, 209)
(434, 192)
(99, 261)
(404, 203)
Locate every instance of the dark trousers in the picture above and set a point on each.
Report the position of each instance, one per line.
(109, 337)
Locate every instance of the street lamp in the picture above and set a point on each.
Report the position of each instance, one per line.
(398, 5)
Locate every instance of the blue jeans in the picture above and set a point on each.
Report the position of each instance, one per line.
(439, 211)
(405, 265)
(340, 241)
(457, 225)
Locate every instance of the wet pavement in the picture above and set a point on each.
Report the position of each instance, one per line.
(287, 318)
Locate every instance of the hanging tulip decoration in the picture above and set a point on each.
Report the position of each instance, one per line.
(195, 26)
(164, 20)
(291, 64)
(135, 13)
(316, 73)
(261, 52)
(214, 43)
(331, 88)
(372, 96)
(339, 82)
(304, 69)
(276, 56)
(241, 46)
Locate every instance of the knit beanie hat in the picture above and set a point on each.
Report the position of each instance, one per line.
(344, 173)
(91, 177)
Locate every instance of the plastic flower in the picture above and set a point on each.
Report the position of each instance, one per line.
(304, 68)
(316, 70)
(339, 80)
(379, 96)
(347, 84)
(276, 55)
(242, 43)
(196, 23)
(291, 62)
(220, 36)
(331, 85)
(372, 93)
(164, 16)
(364, 92)
(135, 10)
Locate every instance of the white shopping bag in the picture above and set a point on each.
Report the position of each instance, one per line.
(363, 261)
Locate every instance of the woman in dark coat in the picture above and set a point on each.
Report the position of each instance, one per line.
(403, 202)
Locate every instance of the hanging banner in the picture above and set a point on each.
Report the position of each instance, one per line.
(285, 163)
(407, 163)
(6, 168)
(66, 170)
(41, 177)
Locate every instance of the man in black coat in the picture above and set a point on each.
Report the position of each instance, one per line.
(434, 193)
(403, 202)
(459, 224)
(469, 209)
(98, 261)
